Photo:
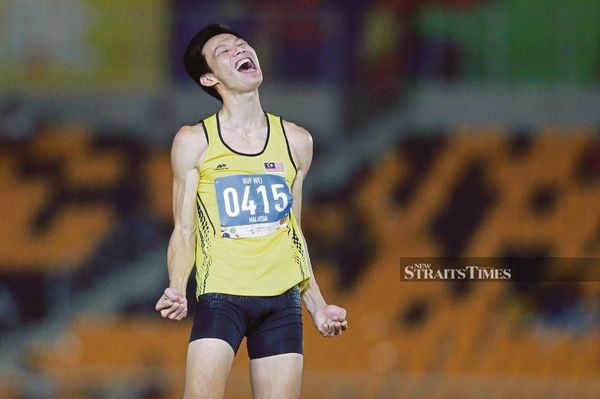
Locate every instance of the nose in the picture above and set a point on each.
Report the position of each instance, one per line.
(239, 49)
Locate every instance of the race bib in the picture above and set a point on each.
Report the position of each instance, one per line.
(252, 205)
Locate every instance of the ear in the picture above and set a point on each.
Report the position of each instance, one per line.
(208, 80)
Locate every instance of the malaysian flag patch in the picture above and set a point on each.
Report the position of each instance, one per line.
(275, 167)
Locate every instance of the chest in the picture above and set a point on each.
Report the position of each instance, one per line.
(251, 141)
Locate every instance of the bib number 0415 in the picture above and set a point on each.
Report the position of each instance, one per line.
(252, 205)
(233, 207)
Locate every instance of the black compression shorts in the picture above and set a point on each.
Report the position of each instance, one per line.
(272, 324)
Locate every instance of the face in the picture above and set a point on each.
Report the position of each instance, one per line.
(233, 62)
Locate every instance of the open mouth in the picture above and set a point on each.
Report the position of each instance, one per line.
(245, 65)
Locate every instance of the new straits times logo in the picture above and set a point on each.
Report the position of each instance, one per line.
(424, 271)
(516, 269)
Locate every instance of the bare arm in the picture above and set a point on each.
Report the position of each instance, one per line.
(188, 149)
(329, 319)
(302, 148)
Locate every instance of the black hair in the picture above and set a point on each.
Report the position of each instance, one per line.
(195, 61)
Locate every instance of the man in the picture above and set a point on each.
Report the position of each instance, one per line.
(237, 198)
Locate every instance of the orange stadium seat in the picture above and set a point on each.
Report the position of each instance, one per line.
(159, 178)
(76, 228)
(70, 238)
(57, 142)
(100, 349)
(83, 166)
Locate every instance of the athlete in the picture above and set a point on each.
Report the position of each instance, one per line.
(237, 199)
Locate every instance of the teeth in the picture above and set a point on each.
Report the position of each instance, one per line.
(242, 62)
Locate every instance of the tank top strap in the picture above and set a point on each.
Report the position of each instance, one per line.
(275, 134)
(279, 142)
(211, 130)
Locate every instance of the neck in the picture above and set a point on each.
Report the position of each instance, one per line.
(242, 110)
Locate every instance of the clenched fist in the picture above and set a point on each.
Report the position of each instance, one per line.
(172, 304)
(330, 320)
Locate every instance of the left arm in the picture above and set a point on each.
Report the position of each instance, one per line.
(330, 320)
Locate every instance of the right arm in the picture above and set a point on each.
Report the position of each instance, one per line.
(189, 147)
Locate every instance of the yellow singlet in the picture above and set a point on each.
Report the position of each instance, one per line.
(248, 241)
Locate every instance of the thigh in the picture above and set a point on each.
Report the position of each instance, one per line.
(275, 347)
(208, 365)
(277, 377)
(217, 332)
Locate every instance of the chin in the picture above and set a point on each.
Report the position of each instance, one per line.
(256, 77)
(254, 83)
(244, 84)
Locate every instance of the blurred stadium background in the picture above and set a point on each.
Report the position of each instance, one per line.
(442, 128)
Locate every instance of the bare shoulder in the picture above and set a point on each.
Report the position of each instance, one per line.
(297, 135)
(190, 136)
(189, 146)
(301, 144)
